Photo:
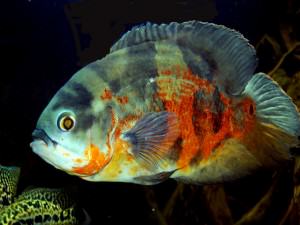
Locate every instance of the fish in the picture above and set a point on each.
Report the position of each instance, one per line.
(178, 100)
(9, 178)
(44, 206)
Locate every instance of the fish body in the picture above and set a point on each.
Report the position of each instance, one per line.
(43, 206)
(178, 100)
(9, 177)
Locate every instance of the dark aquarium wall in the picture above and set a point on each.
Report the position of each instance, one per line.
(44, 42)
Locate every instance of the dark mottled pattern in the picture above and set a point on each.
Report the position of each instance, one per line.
(198, 104)
(141, 64)
(57, 196)
(137, 63)
(215, 48)
(115, 85)
(98, 68)
(218, 109)
(198, 60)
(86, 120)
(9, 177)
(27, 211)
(177, 148)
(42, 205)
(104, 124)
(196, 159)
(213, 103)
(78, 99)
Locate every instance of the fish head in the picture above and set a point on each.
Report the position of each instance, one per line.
(68, 133)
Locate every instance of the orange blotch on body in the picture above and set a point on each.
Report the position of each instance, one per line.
(122, 100)
(122, 159)
(106, 95)
(96, 161)
(125, 124)
(176, 89)
(178, 97)
(210, 138)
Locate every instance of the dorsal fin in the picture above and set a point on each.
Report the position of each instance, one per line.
(230, 57)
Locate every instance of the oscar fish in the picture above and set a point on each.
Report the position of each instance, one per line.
(178, 100)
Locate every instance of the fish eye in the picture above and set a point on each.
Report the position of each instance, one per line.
(66, 122)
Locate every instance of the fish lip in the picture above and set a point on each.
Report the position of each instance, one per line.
(40, 134)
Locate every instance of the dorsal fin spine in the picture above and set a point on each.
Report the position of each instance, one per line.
(231, 59)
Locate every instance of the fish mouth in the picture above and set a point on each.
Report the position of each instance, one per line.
(49, 150)
(41, 135)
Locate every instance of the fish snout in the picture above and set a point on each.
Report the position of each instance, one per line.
(41, 135)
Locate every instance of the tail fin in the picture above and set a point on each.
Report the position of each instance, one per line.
(278, 122)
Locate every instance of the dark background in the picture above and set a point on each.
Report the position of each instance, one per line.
(44, 42)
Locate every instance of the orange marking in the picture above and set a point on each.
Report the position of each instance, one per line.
(125, 124)
(106, 95)
(230, 125)
(97, 160)
(78, 160)
(122, 100)
(120, 160)
(176, 89)
(170, 92)
(210, 139)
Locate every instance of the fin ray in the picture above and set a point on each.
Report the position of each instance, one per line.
(273, 105)
(152, 137)
(223, 54)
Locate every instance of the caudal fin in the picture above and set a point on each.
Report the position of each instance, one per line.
(278, 122)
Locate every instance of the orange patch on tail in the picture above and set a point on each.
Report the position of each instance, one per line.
(96, 161)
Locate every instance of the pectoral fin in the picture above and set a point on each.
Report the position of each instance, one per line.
(152, 137)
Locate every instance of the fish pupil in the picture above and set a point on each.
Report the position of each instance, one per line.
(68, 123)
